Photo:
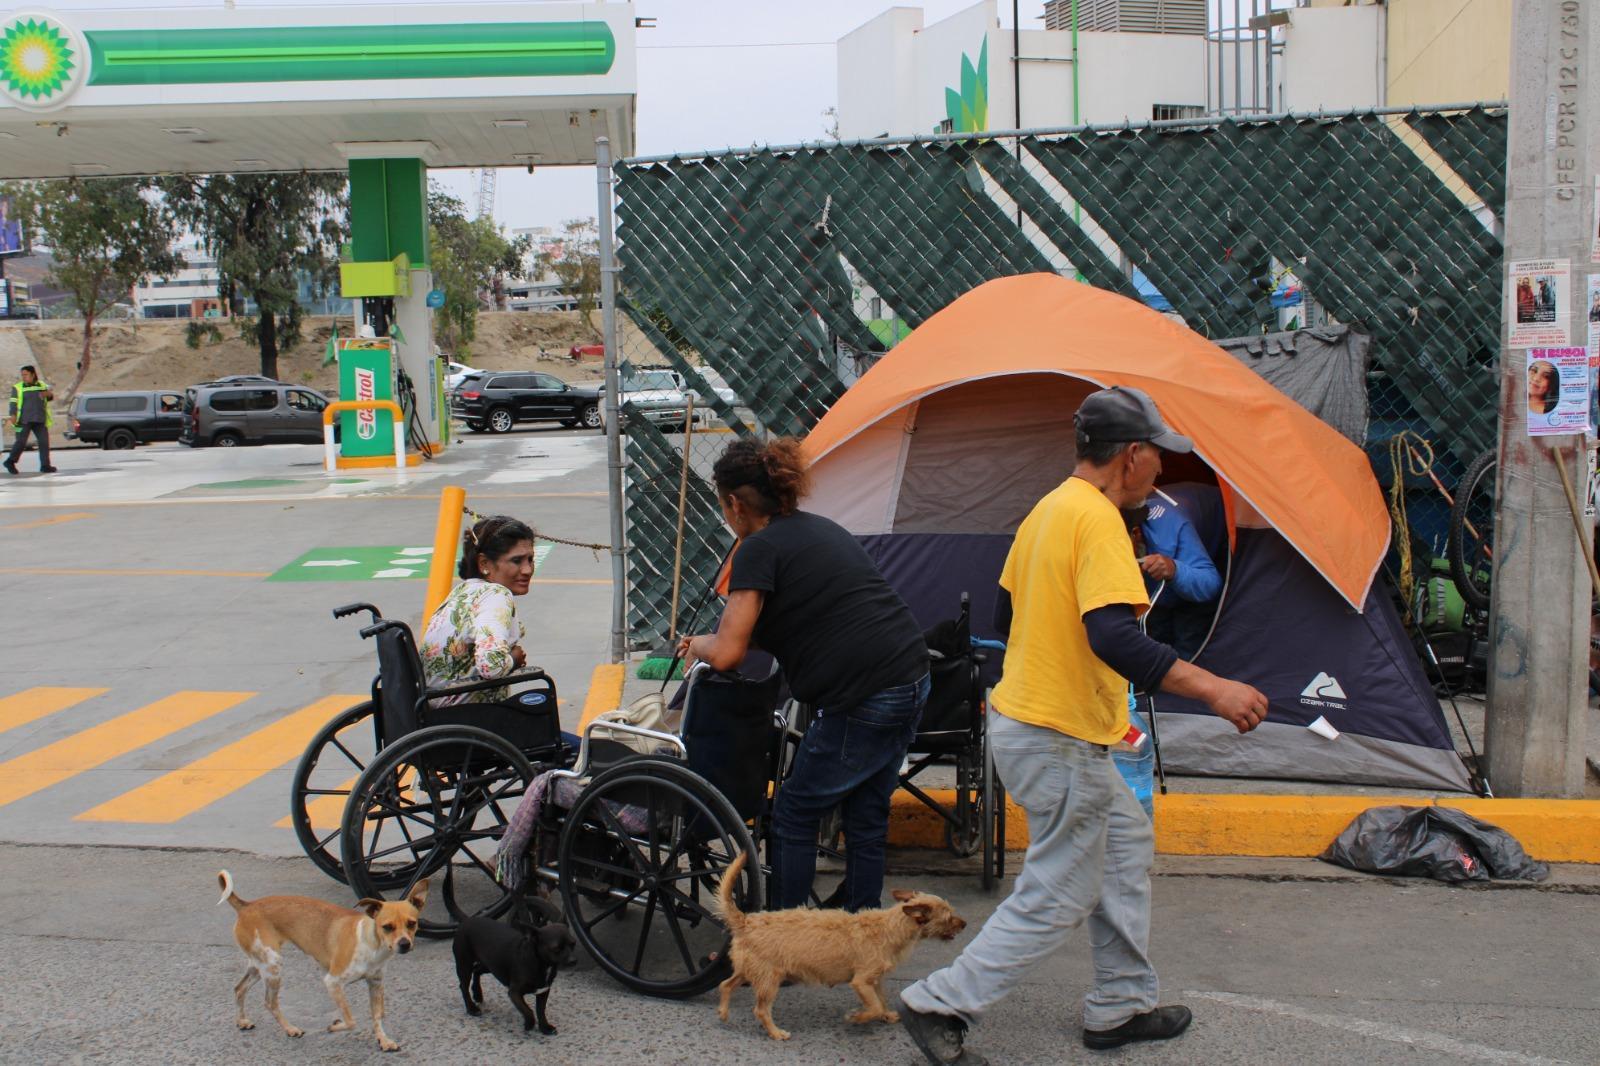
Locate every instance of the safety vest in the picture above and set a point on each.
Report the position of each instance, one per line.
(19, 388)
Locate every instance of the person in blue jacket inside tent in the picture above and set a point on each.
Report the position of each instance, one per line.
(1173, 552)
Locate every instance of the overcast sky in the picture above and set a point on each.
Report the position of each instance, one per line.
(718, 74)
(712, 74)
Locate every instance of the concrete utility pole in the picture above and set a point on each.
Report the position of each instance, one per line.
(613, 406)
(1538, 689)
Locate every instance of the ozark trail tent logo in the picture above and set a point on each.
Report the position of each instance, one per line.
(1324, 691)
(41, 60)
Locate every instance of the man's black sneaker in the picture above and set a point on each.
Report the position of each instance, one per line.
(47, 470)
(11, 468)
(1163, 1023)
(940, 1037)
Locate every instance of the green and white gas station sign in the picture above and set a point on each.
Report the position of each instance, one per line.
(370, 563)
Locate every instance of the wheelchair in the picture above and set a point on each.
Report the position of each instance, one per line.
(395, 789)
(952, 735)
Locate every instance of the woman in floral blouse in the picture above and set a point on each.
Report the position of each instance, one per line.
(475, 635)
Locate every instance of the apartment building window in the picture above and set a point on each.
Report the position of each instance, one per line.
(1172, 112)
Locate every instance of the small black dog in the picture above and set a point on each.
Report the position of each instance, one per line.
(522, 954)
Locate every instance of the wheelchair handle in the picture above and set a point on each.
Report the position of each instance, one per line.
(356, 608)
(378, 627)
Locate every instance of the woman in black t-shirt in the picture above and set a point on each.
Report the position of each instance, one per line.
(802, 588)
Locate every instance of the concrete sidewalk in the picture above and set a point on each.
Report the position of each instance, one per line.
(1283, 961)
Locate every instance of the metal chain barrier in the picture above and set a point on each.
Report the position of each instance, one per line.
(769, 279)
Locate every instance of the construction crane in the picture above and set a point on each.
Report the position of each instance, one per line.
(486, 184)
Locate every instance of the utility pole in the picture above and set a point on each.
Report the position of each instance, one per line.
(1538, 691)
(606, 180)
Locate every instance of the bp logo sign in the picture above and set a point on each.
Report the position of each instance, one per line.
(42, 61)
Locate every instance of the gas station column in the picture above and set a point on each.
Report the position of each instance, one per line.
(389, 264)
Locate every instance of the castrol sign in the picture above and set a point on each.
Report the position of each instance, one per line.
(366, 389)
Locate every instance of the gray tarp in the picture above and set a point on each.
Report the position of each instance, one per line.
(1323, 370)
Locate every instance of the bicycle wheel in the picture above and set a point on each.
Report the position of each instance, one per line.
(1470, 546)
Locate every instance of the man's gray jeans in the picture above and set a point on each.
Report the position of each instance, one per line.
(1089, 855)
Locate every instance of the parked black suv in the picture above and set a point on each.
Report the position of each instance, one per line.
(498, 399)
(117, 420)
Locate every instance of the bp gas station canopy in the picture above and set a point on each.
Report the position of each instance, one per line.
(383, 91)
(185, 90)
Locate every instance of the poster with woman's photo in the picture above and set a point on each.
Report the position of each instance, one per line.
(1594, 354)
(1540, 303)
(1558, 391)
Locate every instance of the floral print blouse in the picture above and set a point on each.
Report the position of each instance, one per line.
(469, 638)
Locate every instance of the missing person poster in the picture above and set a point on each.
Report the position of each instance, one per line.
(1558, 391)
(1594, 354)
(1540, 310)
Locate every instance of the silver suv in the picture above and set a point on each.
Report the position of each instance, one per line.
(229, 413)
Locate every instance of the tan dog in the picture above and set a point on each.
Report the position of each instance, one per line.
(349, 945)
(826, 947)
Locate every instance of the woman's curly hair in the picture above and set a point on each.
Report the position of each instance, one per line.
(770, 477)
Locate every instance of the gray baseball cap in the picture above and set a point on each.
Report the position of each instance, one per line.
(1120, 415)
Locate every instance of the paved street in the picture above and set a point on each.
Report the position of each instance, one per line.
(170, 654)
(126, 958)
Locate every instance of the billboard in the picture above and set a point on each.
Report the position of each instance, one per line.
(11, 236)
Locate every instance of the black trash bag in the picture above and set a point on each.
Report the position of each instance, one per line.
(1438, 842)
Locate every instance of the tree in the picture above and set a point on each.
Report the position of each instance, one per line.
(268, 232)
(574, 259)
(106, 235)
(470, 260)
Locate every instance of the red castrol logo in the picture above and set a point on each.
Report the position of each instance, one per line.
(366, 389)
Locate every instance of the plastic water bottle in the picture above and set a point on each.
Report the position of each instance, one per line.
(1136, 760)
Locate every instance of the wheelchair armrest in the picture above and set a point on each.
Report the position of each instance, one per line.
(478, 686)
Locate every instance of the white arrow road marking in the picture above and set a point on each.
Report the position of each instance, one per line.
(395, 573)
(416, 551)
(329, 562)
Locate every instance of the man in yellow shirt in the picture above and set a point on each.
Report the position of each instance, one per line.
(1071, 596)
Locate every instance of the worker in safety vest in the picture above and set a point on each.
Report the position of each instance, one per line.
(29, 413)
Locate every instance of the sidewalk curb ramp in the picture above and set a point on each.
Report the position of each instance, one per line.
(1291, 826)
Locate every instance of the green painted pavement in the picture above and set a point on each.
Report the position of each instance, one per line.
(370, 563)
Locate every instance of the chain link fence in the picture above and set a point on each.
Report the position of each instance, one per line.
(765, 281)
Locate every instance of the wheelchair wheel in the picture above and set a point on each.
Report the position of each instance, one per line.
(435, 804)
(323, 779)
(642, 851)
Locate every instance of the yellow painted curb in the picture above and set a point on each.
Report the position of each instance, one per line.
(1189, 824)
(605, 691)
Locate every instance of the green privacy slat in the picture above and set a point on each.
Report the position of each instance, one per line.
(1474, 144)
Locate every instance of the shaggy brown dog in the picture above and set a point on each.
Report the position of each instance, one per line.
(826, 947)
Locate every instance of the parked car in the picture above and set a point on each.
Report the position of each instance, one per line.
(658, 394)
(498, 400)
(661, 394)
(118, 420)
(230, 413)
(455, 373)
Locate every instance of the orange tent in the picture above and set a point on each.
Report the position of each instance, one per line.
(1302, 477)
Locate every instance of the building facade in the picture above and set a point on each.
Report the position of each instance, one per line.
(1111, 61)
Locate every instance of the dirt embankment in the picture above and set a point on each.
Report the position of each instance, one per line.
(151, 354)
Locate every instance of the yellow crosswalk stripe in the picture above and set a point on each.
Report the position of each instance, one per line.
(35, 703)
(183, 791)
(97, 745)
